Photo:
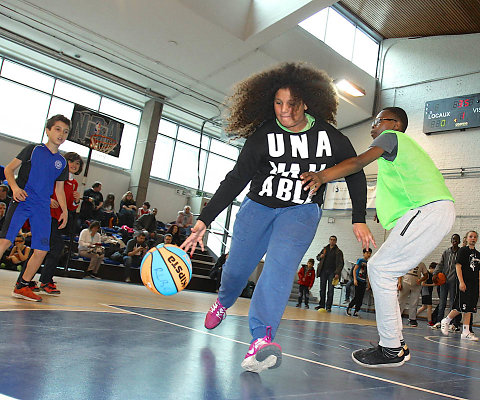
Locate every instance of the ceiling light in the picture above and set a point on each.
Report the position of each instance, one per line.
(349, 88)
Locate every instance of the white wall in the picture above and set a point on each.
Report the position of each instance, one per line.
(417, 71)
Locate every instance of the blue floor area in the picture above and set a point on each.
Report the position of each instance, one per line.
(161, 354)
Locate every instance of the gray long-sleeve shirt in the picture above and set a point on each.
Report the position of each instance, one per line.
(447, 264)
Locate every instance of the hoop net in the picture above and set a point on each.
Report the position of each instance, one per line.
(102, 143)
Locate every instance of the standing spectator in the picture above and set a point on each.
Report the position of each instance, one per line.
(410, 285)
(4, 197)
(174, 230)
(447, 265)
(144, 209)
(92, 203)
(128, 210)
(89, 246)
(329, 268)
(427, 291)
(360, 280)
(134, 252)
(108, 211)
(306, 278)
(468, 273)
(185, 221)
(72, 196)
(3, 210)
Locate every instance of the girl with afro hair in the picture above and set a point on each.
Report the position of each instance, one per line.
(286, 115)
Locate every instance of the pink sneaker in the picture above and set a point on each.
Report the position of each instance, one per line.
(215, 315)
(263, 354)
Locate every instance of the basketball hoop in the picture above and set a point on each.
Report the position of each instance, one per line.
(101, 143)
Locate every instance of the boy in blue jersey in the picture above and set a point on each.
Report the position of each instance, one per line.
(42, 169)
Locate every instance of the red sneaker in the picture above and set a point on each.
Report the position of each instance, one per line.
(33, 285)
(50, 288)
(26, 294)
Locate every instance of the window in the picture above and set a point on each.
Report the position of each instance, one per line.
(162, 157)
(77, 95)
(168, 128)
(22, 111)
(345, 37)
(120, 111)
(217, 168)
(184, 165)
(224, 149)
(27, 76)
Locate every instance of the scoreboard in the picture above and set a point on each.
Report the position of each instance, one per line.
(459, 112)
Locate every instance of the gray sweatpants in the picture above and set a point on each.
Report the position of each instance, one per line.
(414, 237)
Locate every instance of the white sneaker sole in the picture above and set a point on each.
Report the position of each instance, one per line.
(269, 358)
(20, 296)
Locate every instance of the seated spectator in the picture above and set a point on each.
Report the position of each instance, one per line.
(18, 255)
(92, 203)
(128, 210)
(185, 221)
(134, 252)
(4, 197)
(108, 211)
(174, 230)
(90, 246)
(167, 239)
(144, 209)
(3, 210)
(26, 232)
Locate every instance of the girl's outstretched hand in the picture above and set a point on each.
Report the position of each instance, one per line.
(195, 238)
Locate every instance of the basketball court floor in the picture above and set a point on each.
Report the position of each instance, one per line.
(109, 340)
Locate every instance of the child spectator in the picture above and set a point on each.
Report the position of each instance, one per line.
(410, 285)
(108, 211)
(360, 280)
(42, 169)
(75, 167)
(468, 273)
(306, 277)
(19, 254)
(144, 209)
(427, 291)
(89, 246)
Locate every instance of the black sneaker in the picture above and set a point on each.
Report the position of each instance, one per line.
(298, 305)
(329, 310)
(406, 352)
(318, 308)
(355, 314)
(373, 357)
(348, 312)
(413, 322)
(306, 306)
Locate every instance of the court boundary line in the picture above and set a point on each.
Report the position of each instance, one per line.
(300, 358)
(429, 338)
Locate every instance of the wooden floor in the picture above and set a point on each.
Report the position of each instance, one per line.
(109, 340)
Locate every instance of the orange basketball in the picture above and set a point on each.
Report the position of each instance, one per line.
(166, 269)
(440, 279)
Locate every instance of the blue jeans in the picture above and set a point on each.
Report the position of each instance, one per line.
(326, 278)
(285, 235)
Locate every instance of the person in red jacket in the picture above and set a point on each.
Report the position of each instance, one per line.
(306, 277)
(72, 196)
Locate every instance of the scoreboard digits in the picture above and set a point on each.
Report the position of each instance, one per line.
(459, 112)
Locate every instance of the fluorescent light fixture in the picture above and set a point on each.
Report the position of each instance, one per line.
(349, 88)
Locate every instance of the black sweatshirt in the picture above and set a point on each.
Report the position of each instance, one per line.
(273, 159)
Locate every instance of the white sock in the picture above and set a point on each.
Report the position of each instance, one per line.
(448, 320)
(466, 329)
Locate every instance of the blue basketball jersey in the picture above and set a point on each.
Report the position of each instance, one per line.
(39, 171)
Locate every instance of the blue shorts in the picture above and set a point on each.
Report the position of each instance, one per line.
(39, 218)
